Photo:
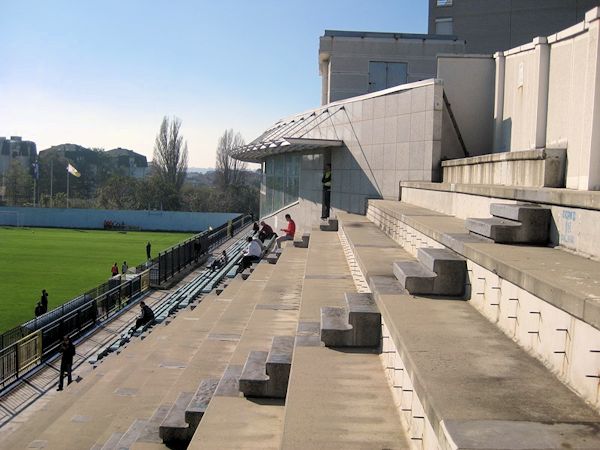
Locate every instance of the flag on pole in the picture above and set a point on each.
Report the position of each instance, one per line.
(73, 171)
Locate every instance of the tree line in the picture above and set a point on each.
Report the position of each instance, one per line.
(233, 188)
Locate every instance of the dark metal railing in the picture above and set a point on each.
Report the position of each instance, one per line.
(24, 346)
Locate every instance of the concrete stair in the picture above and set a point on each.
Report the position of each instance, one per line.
(513, 224)
(356, 325)
(303, 241)
(185, 415)
(331, 225)
(266, 374)
(457, 380)
(437, 272)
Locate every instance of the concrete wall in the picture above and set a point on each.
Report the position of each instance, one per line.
(389, 136)
(489, 26)
(94, 218)
(344, 61)
(469, 87)
(548, 94)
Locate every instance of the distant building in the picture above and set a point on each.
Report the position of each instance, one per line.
(354, 63)
(130, 162)
(16, 149)
(488, 26)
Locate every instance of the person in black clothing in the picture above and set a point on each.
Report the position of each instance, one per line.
(146, 317)
(148, 248)
(255, 228)
(266, 232)
(66, 362)
(39, 309)
(44, 301)
(326, 182)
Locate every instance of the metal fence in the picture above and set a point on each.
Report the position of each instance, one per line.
(25, 346)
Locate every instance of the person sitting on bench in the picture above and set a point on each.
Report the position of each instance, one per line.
(146, 317)
(252, 254)
(266, 232)
(219, 262)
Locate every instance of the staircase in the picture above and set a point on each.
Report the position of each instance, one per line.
(513, 224)
(438, 271)
(356, 325)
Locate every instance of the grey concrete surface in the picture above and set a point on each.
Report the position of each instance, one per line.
(414, 277)
(356, 325)
(569, 282)
(464, 369)
(174, 428)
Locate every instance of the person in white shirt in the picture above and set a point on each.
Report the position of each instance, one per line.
(252, 254)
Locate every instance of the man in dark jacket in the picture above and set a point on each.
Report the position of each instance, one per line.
(326, 182)
(146, 317)
(66, 362)
(44, 301)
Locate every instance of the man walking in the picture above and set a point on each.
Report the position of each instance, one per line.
(124, 267)
(44, 301)
(326, 182)
(66, 362)
(148, 248)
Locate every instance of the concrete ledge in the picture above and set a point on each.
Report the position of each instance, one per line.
(472, 380)
(566, 281)
(533, 168)
(545, 195)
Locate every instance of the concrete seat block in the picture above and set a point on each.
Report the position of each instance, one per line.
(303, 242)
(199, 402)
(174, 428)
(364, 318)
(414, 277)
(246, 274)
(331, 225)
(527, 213)
(450, 268)
(272, 258)
(266, 374)
(252, 382)
(335, 327)
(497, 229)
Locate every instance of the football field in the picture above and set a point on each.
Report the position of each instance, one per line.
(65, 262)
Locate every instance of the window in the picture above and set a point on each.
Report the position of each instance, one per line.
(444, 25)
(444, 2)
(281, 182)
(383, 75)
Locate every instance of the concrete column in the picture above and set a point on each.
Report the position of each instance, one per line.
(541, 80)
(325, 70)
(499, 145)
(590, 179)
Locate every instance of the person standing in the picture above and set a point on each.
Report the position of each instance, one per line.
(148, 249)
(66, 362)
(114, 270)
(326, 182)
(44, 301)
(39, 310)
(124, 268)
(289, 231)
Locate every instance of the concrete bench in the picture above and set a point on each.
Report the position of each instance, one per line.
(303, 241)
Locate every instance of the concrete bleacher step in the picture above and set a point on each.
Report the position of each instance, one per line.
(513, 224)
(131, 435)
(331, 225)
(174, 428)
(303, 241)
(356, 325)
(112, 441)
(437, 272)
(266, 374)
(273, 257)
(149, 434)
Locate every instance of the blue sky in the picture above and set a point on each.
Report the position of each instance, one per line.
(104, 73)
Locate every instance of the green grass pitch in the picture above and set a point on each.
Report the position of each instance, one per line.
(64, 262)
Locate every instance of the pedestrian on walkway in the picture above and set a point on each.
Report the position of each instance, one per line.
(66, 362)
(124, 268)
(44, 301)
(115, 270)
(326, 182)
(148, 249)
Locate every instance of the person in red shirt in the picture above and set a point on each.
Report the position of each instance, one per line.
(289, 231)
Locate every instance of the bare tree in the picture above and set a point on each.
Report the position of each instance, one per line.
(169, 164)
(229, 171)
(170, 159)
